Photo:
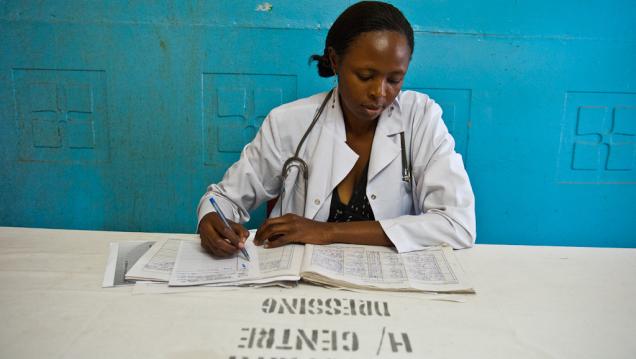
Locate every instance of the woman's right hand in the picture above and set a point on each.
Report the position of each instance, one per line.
(219, 240)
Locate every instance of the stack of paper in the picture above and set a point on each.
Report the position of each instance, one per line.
(183, 262)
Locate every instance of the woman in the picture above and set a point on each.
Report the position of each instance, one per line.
(381, 164)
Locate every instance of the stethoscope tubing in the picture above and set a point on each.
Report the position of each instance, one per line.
(303, 167)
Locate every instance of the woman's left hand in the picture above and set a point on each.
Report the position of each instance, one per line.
(291, 228)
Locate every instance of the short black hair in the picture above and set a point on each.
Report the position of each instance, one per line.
(365, 16)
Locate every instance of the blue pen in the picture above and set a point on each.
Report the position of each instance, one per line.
(227, 224)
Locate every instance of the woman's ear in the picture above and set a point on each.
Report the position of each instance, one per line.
(333, 59)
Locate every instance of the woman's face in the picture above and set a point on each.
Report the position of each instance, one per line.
(371, 73)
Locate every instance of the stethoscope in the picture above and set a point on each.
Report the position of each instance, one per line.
(296, 162)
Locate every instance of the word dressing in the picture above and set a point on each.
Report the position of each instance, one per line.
(329, 306)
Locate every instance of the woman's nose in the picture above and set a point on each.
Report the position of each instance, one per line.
(378, 89)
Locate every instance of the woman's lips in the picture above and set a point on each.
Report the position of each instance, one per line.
(373, 110)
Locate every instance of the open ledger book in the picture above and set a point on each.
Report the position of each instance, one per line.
(338, 265)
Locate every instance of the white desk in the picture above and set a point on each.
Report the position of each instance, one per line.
(532, 302)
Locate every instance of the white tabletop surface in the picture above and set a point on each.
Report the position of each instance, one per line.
(531, 302)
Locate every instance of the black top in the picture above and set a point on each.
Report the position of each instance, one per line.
(358, 208)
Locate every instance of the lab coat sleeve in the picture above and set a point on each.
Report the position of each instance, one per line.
(442, 193)
(253, 179)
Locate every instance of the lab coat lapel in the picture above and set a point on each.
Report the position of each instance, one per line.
(332, 159)
(386, 142)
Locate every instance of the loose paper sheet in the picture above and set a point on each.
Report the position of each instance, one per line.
(122, 256)
(157, 263)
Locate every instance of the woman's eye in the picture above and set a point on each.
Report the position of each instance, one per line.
(395, 81)
(364, 77)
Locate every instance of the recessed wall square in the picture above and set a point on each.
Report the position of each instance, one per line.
(621, 157)
(231, 101)
(591, 120)
(597, 138)
(80, 130)
(625, 120)
(586, 156)
(79, 98)
(231, 138)
(234, 106)
(46, 130)
(42, 96)
(73, 101)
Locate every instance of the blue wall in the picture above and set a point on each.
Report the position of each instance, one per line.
(116, 115)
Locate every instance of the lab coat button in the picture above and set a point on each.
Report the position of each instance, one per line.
(372, 196)
(316, 201)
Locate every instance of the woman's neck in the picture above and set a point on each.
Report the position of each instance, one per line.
(357, 128)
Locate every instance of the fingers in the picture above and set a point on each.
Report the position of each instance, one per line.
(278, 241)
(214, 244)
(242, 232)
(213, 235)
(219, 248)
(224, 231)
(273, 229)
(264, 232)
(237, 234)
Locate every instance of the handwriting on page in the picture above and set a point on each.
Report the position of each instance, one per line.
(275, 259)
(359, 262)
(195, 265)
(428, 267)
(163, 260)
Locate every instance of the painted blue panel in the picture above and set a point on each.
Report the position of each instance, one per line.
(232, 114)
(116, 115)
(598, 138)
(61, 114)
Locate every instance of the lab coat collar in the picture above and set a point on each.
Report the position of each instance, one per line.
(386, 141)
(333, 159)
(333, 119)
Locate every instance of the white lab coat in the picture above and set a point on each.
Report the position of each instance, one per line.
(440, 209)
